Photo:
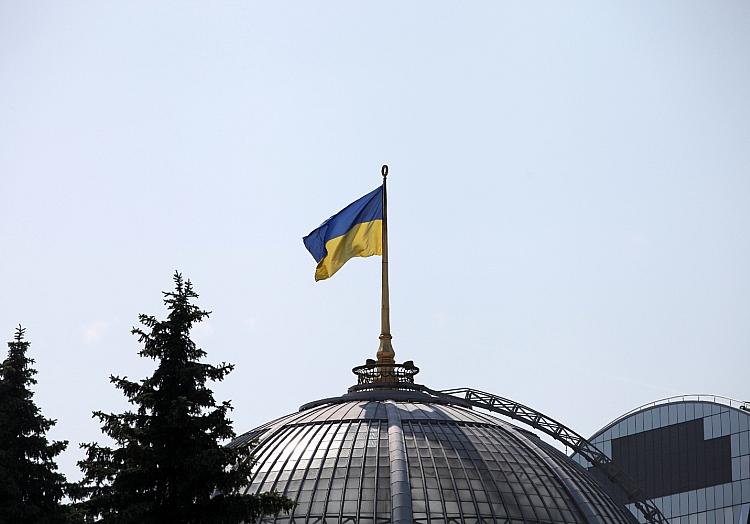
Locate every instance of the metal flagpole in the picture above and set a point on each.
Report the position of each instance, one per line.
(386, 355)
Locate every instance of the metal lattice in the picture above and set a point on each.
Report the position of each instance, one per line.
(567, 436)
(378, 375)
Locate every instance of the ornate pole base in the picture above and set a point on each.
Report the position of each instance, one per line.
(385, 354)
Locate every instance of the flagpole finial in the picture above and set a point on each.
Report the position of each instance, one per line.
(384, 170)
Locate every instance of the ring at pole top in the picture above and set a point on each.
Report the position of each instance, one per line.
(384, 170)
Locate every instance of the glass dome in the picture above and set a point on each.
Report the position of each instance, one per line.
(403, 455)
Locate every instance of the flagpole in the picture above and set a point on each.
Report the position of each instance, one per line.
(385, 354)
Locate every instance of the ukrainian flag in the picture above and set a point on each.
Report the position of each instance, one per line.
(355, 231)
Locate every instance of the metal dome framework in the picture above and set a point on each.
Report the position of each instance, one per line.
(567, 436)
(391, 450)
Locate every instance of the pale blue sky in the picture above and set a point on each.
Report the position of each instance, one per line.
(569, 195)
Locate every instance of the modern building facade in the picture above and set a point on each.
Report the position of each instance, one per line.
(391, 450)
(690, 455)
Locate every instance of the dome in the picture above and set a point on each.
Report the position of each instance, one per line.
(401, 454)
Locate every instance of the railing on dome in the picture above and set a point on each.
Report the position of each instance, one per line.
(567, 436)
(378, 375)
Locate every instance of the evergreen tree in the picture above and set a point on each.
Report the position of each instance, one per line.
(168, 465)
(31, 488)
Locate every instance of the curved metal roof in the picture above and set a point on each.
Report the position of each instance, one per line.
(365, 457)
(677, 399)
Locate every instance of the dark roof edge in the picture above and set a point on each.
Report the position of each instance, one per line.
(415, 393)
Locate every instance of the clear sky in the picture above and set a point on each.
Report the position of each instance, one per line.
(569, 195)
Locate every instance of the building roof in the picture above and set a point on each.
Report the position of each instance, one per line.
(385, 454)
(689, 454)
